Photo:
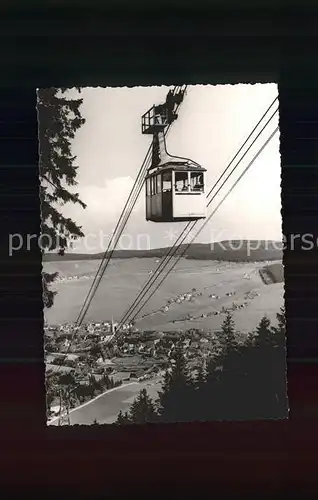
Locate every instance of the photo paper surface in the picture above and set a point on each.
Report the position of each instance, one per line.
(163, 280)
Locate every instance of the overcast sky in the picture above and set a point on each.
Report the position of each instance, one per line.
(213, 123)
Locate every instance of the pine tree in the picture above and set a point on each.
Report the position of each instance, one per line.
(59, 119)
(51, 395)
(177, 395)
(105, 381)
(228, 338)
(279, 331)
(96, 351)
(95, 384)
(165, 387)
(179, 371)
(264, 333)
(243, 382)
(200, 375)
(123, 419)
(279, 362)
(229, 359)
(82, 392)
(225, 389)
(281, 318)
(266, 381)
(68, 390)
(142, 410)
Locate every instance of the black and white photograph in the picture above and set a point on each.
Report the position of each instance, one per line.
(162, 250)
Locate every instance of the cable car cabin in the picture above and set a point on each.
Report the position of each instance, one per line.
(175, 193)
(175, 187)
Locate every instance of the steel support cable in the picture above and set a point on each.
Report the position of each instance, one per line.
(164, 262)
(246, 141)
(209, 218)
(242, 157)
(101, 271)
(117, 229)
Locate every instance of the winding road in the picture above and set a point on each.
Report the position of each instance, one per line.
(105, 407)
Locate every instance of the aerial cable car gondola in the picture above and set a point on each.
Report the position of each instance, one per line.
(175, 186)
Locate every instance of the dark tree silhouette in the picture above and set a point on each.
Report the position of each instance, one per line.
(59, 120)
(123, 419)
(264, 333)
(67, 390)
(252, 382)
(269, 370)
(200, 375)
(83, 392)
(95, 385)
(107, 382)
(280, 330)
(142, 411)
(96, 352)
(51, 395)
(242, 382)
(227, 336)
(177, 392)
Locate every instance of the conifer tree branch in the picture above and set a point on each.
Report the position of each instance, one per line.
(59, 120)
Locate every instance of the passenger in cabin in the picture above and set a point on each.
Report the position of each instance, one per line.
(185, 186)
(197, 183)
(182, 182)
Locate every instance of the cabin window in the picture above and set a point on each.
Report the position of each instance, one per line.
(166, 182)
(159, 183)
(181, 181)
(153, 185)
(196, 181)
(148, 190)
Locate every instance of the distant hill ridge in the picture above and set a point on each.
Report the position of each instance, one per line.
(229, 250)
